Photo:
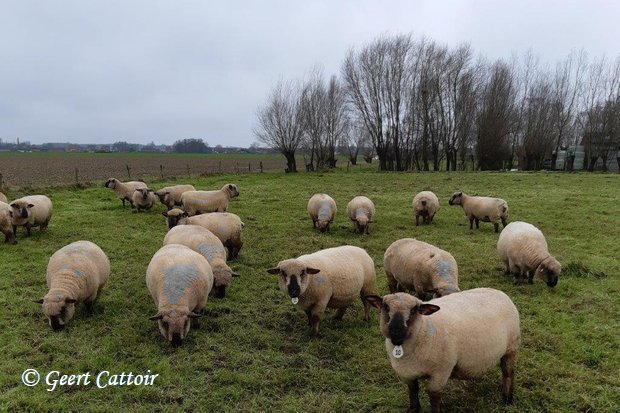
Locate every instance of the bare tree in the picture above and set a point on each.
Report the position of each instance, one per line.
(280, 122)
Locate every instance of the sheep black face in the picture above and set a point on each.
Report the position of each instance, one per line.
(110, 183)
(549, 270)
(455, 199)
(21, 210)
(294, 277)
(58, 310)
(174, 216)
(398, 313)
(232, 189)
(174, 324)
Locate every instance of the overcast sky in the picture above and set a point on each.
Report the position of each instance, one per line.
(100, 71)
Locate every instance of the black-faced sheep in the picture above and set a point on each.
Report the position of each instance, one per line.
(322, 210)
(425, 204)
(361, 211)
(124, 190)
(481, 208)
(31, 211)
(170, 196)
(200, 202)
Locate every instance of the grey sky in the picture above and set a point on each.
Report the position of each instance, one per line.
(100, 71)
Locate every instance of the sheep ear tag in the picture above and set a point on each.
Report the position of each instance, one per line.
(294, 300)
(398, 352)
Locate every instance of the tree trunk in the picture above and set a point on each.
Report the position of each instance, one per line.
(291, 165)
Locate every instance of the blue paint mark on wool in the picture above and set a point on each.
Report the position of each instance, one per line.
(78, 273)
(360, 212)
(324, 210)
(210, 252)
(200, 201)
(430, 328)
(444, 269)
(319, 279)
(177, 277)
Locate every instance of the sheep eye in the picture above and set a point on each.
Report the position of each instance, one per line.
(386, 308)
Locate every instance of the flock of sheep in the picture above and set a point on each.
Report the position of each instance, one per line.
(455, 334)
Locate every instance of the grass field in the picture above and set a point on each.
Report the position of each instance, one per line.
(253, 351)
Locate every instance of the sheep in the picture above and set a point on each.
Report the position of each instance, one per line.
(124, 190)
(31, 211)
(170, 196)
(322, 210)
(6, 223)
(224, 225)
(75, 273)
(481, 208)
(332, 277)
(361, 211)
(523, 249)
(200, 202)
(461, 335)
(3, 198)
(142, 199)
(425, 204)
(179, 281)
(209, 246)
(420, 267)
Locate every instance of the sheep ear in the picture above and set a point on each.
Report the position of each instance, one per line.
(157, 316)
(165, 214)
(38, 301)
(427, 309)
(14, 206)
(234, 274)
(30, 205)
(374, 300)
(194, 315)
(230, 186)
(275, 270)
(70, 301)
(184, 214)
(310, 270)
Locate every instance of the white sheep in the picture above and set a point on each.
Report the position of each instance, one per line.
(322, 210)
(224, 225)
(75, 273)
(200, 202)
(481, 208)
(6, 225)
(170, 196)
(332, 277)
(31, 211)
(523, 249)
(420, 267)
(124, 190)
(3, 198)
(461, 335)
(179, 281)
(361, 211)
(425, 204)
(209, 246)
(142, 199)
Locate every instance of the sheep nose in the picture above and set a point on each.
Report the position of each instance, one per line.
(176, 340)
(553, 283)
(397, 330)
(56, 325)
(220, 292)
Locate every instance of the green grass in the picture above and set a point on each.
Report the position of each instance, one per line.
(253, 352)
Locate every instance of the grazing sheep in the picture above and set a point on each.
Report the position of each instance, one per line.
(170, 196)
(322, 210)
(361, 211)
(124, 190)
(75, 273)
(200, 202)
(179, 281)
(425, 204)
(481, 208)
(523, 249)
(3, 198)
(420, 267)
(209, 246)
(332, 277)
(462, 335)
(142, 199)
(6, 223)
(224, 225)
(31, 211)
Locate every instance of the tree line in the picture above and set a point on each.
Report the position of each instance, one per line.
(417, 104)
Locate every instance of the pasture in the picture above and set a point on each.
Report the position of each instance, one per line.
(253, 351)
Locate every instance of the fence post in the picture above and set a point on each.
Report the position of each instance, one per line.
(261, 166)
(128, 170)
(236, 167)
(348, 163)
(1, 182)
(220, 170)
(76, 176)
(188, 174)
(161, 170)
(249, 166)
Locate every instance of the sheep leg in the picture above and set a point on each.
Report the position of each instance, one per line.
(340, 314)
(496, 226)
(123, 201)
(477, 223)
(392, 284)
(471, 224)
(309, 315)
(435, 401)
(414, 399)
(313, 223)
(315, 316)
(14, 230)
(508, 377)
(530, 277)
(366, 307)
(417, 220)
(431, 220)
(504, 222)
(90, 307)
(315, 319)
(28, 229)
(9, 237)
